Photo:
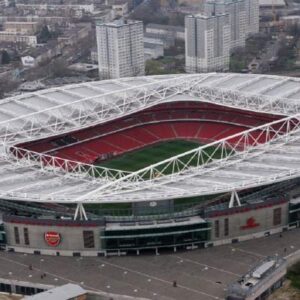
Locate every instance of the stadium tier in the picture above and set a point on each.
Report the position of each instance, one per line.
(174, 161)
(183, 120)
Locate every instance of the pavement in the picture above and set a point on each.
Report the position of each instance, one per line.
(9, 297)
(201, 274)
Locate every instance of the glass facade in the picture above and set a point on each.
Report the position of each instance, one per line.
(226, 227)
(277, 216)
(294, 214)
(143, 238)
(2, 235)
(26, 237)
(2, 238)
(217, 228)
(17, 235)
(88, 239)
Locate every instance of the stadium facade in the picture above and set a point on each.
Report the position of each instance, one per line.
(60, 195)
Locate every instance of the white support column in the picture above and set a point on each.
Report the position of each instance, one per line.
(81, 211)
(76, 212)
(234, 199)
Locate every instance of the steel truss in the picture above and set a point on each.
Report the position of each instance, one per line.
(235, 99)
(88, 111)
(189, 174)
(62, 166)
(200, 161)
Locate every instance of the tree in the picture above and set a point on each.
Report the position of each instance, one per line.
(150, 12)
(7, 85)
(44, 35)
(58, 68)
(176, 19)
(5, 57)
(294, 30)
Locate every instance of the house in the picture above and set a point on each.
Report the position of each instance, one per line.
(28, 61)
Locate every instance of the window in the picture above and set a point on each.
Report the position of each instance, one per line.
(217, 228)
(88, 239)
(17, 235)
(226, 227)
(26, 236)
(277, 216)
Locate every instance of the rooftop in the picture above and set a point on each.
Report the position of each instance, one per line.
(166, 27)
(151, 45)
(35, 115)
(120, 23)
(272, 2)
(259, 276)
(64, 292)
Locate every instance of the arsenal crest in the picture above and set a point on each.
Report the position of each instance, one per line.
(52, 238)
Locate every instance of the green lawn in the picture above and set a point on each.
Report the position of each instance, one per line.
(142, 158)
(294, 275)
(139, 159)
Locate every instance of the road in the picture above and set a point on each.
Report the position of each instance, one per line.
(200, 274)
(266, 55)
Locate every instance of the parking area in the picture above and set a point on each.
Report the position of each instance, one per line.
(200, 274)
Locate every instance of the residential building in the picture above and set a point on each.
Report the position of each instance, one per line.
(41, 54)
(120, 49)
(291, 20)
(89, 8)
(176, 32)
(252, 16)
(104, 16)
(28, 61)
(51, 21)
(21, 27)
(269, 4)
(153, 51)
(166, 39)
(120, 7)
(261, 281)
(207, 43)
(4, 3)
(191, 2)
(30, 40)
(63, 10)
(153, 39)
(236, 9)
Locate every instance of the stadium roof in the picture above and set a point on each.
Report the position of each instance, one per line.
(59, 110)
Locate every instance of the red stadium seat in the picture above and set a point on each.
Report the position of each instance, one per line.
(204, 122)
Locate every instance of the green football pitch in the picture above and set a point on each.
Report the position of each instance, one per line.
(142, 158)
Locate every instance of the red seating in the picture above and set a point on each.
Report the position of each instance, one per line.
(162, 130)
(187, 130)
(142, 135)
(204, 122)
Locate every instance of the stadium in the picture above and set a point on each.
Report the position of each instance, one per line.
(149, 164)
